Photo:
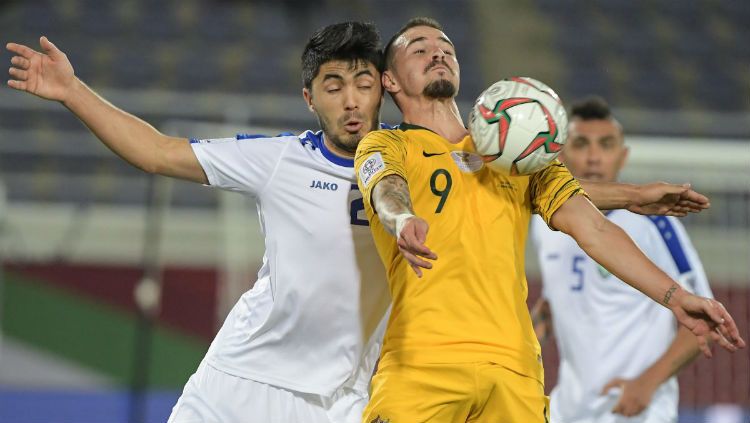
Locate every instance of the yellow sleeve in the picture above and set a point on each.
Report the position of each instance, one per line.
(379, 154)
(550, 188)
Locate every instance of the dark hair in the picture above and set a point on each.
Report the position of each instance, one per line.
(418, 21)
(591, 108)
(352, 41)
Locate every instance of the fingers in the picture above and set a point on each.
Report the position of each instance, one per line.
(695, 197)
(413, 258)
(728, 329)
(414, 237)
(614, 383)
(704, 347)
(20, 50)
(691, 205)
(18, 74)
(17, 85)
(49, 48)
(20, 62)
(723, 342)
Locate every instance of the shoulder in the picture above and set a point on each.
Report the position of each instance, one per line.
(385, 135)
(244, 138)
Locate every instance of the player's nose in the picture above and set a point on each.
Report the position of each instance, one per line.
(438, 54)
(350, 100)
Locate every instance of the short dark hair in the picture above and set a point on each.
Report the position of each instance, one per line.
(418, 21)
(353, 41)
(591, 108)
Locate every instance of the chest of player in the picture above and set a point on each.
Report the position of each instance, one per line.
(315, 199)
(446, 180)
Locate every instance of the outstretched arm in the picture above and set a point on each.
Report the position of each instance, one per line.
(392, 202)
(611, 247)
(658, 198)
(49, 75)
(636, 393)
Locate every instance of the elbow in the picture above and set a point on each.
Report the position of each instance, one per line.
(148, 167)
(592, 234)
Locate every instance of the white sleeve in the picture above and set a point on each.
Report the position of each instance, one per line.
(240, 164)
(678, 249)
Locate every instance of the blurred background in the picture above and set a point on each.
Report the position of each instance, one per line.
(85, 339)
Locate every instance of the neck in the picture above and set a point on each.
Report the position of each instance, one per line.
(441, 116)
(336, 150)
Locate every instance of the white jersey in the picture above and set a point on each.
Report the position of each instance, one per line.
(314, 320)
(604, 328)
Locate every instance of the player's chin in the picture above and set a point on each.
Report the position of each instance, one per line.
(596, 177)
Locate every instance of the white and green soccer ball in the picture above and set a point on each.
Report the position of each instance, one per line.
(518, 125)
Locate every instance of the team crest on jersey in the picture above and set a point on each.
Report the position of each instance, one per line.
(371, 167)
(467, 162)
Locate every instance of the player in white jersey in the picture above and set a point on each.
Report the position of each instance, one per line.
(619, 351)
(301, 345)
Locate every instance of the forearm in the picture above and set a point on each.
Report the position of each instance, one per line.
(681, 352)
(136, 141)
(541, 318)
(610, 195)
(391, 199)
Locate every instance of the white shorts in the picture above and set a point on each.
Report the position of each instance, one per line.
(212, 396)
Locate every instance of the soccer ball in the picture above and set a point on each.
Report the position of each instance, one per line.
(518, 125)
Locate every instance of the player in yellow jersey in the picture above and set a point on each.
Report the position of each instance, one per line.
(460, 346)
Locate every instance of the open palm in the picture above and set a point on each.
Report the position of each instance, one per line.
(48, 74)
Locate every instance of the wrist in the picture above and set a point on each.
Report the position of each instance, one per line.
(399, 222)
(673, 295)
(72, 92)
(634, 194)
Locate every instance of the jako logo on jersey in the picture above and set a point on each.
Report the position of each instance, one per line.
(379, 419)
(329, 186)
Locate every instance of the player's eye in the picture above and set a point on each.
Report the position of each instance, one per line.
(419, 51)
(333, 90)
(365, 87)
(607, 144)
(578, 143)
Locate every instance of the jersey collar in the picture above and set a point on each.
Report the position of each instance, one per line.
(408, 126)
(316, 139)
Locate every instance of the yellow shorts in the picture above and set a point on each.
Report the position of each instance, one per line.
(454, 393)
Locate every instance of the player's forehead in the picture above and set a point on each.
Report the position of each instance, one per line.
(347, 70)
(421, 34)
(593, 129)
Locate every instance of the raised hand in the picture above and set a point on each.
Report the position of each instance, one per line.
(48, 74)
(668, 199)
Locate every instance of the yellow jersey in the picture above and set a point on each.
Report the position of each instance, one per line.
(471, 306)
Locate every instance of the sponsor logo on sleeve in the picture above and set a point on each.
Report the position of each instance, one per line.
(371, 167)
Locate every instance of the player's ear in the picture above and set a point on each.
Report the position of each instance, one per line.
(308, 99)
(389, 82)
